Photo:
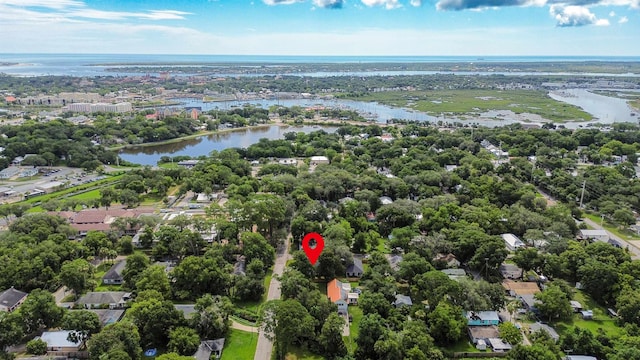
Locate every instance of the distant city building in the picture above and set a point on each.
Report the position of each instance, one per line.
(100, 107)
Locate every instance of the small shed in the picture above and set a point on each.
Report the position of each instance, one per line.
(576, 306)
(587, 314)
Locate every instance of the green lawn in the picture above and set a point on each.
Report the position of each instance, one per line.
(239, 345)
(354, 329)
(89, 195)
(601, 320)
(300, 354)
(463, 345)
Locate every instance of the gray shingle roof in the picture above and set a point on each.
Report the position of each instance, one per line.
(11, 297)
(115, 273)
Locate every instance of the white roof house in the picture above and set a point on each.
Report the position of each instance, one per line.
(57, 341)
(319, 160)
(512, 242)
(598, 235)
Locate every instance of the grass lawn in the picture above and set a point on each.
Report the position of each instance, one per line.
(300, 354)
(93, 194)
(463, 345)
(239, 345)
(601, 320)
(354, 329)
(613, 228)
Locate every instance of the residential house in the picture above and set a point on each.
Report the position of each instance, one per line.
(356, 269)
(352, 298)
(596, 235)
(450, 168)
(576, 306)
(338, 293)
(402, 300)
(482, 333)
(385, 200)
(288, 162)
(449, 259)
(544, 327)
(482, 318)
(510, 271)
(518, 288)
(394, 261)
(512, 242)
(58, 341)
(498, 345)
(581, 357)
(106, 299)
(209, 349)
(317, 160)
(114, 275)
(11, 299)
(529, 302)
(188, 163)
(455, 274)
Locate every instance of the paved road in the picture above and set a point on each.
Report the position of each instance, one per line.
(635, 252)
(265, 346)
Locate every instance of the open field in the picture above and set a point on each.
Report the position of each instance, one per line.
(239, 345)
(475, 102)
(601, 320)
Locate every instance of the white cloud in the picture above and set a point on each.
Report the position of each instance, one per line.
(612, 13)
(416, 3)
(388, 4)
(329, 4)
(572, 15)
(623, 20)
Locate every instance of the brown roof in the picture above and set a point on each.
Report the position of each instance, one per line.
(334, 291)
(484, 332)
(520, 287)
(92, 216)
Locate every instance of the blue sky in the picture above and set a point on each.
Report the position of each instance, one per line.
(323, 27)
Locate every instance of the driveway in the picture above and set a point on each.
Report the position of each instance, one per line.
(265, 346)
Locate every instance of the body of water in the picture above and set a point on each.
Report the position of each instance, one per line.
(605, 109)
(96, 64)
(203, 145)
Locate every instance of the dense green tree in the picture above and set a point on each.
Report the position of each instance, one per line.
(121, 336)
(510, 333)
(154, 278)
(135, 266)
(183, 340)
(77, 275)
(37, 347)
(286, 322)
(40, 311)
(10, 329)
(155, 318)
(330, 338)
(211, 319)
(446, 323)
(533, 352)
(255, 246)
(554, 303)
(81, 324)
(196, 276)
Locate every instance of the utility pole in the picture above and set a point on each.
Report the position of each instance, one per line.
(584, 183)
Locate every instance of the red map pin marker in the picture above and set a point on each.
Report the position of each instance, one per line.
(313, 253)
